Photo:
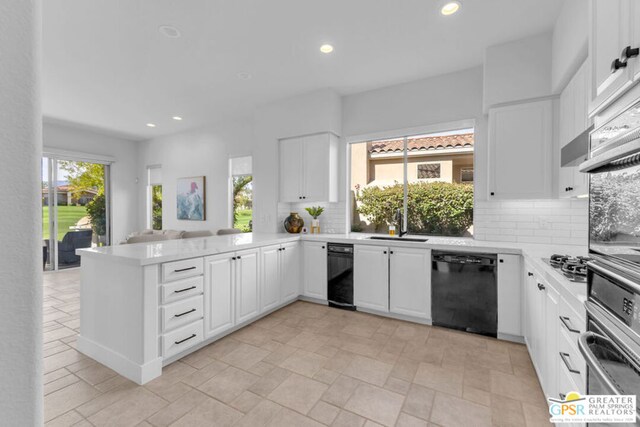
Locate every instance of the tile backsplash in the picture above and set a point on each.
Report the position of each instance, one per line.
(332, 220)
(527, 221)
(533, 221)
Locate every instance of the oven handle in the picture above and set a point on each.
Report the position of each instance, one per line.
(592, 361)
(615, 276)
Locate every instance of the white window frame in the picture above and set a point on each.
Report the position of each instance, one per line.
(397, 134)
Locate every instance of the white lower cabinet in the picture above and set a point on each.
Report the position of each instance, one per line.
(315, 269)
(509, 295)
(290, 271)
(270, 295)
(410, 282)
(371, 277)
(246, 285)
(218, 294)
(551, 329)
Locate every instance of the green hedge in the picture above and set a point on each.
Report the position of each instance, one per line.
(437, 208)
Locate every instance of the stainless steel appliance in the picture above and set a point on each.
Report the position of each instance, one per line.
(611, 345)
(614, 188)
(464, 292)
(573, 268)
(340, 275)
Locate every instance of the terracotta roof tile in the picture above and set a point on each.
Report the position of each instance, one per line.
(464, 140)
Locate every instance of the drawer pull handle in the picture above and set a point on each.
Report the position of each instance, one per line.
(186, 312)
(567, 324)
(564, 357)
(186, 339)
(180, 270)
(184, 290)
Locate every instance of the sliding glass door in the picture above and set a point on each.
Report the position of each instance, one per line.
(75, 210)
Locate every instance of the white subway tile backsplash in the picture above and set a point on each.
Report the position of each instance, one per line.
(532, 221)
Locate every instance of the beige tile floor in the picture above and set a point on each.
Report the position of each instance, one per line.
(304, 365)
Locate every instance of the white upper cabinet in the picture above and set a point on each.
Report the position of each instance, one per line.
(309, 168)
(315, 270)
(410, 282)
(611, 31)
(520, 151)
(573, 121)
(371, 277)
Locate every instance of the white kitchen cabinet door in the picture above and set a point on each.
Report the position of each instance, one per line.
(509, 294)
(410, 282)
(246, 284)
(320, 176)
(290, 261)
(291, 170)
(315, 270)
(218, 294)
(609, 34)
(270, 295)
(520, 151)
(371, 277)
(551, 354)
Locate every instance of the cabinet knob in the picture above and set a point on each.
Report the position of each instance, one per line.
(530, 274)
(541, 287)
(501, 260)
(300, 197)
(233, 259)
(629, 52)
(617, 64)
(304, 197)
(239, 257)
(569, 188)
(390, 252)
(323, 247)
(384, 252)
(492, 193)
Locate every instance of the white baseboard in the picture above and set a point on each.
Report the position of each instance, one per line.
(140, 374)
(512, 338)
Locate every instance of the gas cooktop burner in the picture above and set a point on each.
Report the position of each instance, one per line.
(575, 269)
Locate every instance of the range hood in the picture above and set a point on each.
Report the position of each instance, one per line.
(577, 151)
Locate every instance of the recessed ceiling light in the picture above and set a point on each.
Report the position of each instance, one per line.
(169, 31)
(450, 8)
(151, 125)
(178, 118)
(244, 76)
(326, 48)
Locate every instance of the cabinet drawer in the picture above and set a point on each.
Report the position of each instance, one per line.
(571, 361)
(181, 312)
(181, 339)
(181, 269)
(182, 289)
(571, 322)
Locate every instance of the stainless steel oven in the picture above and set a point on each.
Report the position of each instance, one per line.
(614, 188)
(611, 344)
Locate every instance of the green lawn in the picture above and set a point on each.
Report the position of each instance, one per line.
(242, 222)
(67, 217)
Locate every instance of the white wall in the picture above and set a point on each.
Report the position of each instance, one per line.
(319, 111)
(200, 152)
(21, 250)
(517, 70)
(569, 46)
(124, 194)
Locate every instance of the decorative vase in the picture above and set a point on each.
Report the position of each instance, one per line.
(293, 223)
(315, 226)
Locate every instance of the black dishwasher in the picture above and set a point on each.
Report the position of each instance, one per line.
(464, 292)
(340, 275)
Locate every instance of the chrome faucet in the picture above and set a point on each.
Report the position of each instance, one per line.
(399, 222)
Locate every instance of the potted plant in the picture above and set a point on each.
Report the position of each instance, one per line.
(315, 212)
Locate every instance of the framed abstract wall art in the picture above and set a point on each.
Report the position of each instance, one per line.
(191, 198)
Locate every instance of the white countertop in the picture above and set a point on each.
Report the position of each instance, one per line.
(172, 250)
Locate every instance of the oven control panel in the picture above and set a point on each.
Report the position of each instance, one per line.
(619, 300)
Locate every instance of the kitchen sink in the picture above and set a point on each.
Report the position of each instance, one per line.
(398, 239)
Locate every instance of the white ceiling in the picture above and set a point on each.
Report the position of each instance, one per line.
(107, 66)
